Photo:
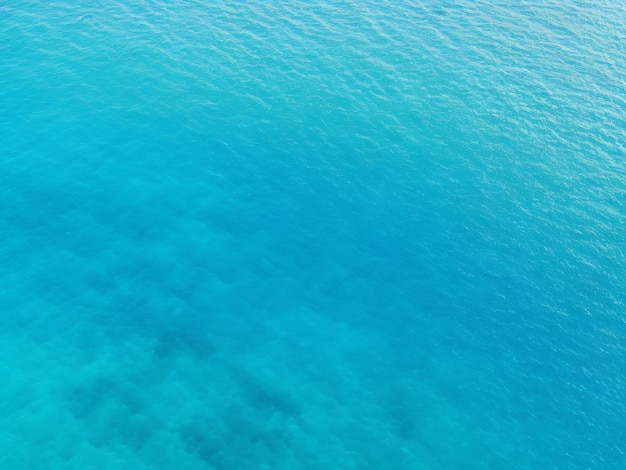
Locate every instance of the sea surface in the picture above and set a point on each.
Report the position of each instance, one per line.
(325, 234)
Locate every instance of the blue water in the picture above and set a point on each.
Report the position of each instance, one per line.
(333, 234)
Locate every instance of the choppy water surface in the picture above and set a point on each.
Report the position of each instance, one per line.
(327, 234)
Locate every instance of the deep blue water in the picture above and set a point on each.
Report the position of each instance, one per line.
(332, 234)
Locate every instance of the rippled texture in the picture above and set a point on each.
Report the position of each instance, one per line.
(328, 234)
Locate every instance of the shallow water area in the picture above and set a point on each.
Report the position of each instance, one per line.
(326, 234)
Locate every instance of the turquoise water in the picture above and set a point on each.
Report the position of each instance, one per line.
(327, 234)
